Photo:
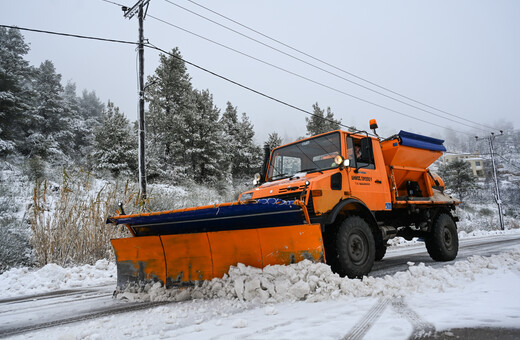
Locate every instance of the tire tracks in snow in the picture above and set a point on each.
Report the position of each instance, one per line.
(421, 327)
(363, 326)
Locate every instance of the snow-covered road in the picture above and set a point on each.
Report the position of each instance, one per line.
(403, 297)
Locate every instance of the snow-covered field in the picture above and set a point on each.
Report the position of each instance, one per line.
(304, 300)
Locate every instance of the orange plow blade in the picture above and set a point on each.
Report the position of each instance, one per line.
(176, 260)
(182, 247)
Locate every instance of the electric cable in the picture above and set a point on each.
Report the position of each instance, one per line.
(71, 35)
(327, 71)
(328, 64)
(220, 76)
(303, 77)
(150, 45)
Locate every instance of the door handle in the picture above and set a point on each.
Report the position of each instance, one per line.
(378, 181)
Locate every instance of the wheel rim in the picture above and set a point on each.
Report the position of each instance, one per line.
(448, 238)
(357, 248)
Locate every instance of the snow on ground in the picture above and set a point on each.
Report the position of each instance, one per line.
(28, 281)
(25, 281)
(304, 300)
(481, 291)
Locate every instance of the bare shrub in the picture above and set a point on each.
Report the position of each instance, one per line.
(68, 221)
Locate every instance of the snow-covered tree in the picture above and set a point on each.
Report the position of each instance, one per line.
(243, 156)
(202, 142)
(321, 123)
(170, 97)
(90, 110)
(274, 140)
(458, 177)
(115, 144)
(248, 155)
(16, 94)
(49, 135)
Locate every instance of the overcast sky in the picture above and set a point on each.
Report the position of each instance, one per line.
(462, 57)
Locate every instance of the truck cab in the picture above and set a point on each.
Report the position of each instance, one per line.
(336, 165)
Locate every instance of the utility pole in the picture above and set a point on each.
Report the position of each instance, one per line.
(498, 200)
(129, 13)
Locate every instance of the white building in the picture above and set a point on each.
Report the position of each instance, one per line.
(476, 162)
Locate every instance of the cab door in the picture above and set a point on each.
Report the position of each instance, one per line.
(367, 173)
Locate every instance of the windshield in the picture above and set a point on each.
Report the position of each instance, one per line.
(308, 155)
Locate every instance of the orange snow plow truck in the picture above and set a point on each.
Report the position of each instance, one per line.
(337, 197)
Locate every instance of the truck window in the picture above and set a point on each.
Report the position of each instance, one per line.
(360, 154)
(309, 155)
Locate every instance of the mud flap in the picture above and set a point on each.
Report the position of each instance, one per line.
(184, 259)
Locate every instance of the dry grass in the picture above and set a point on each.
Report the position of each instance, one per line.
(68, 223)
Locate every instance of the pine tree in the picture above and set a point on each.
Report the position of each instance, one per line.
(243, 156)
(229, 126)
(170, 98)
(16, 94)
(115, 144)
(274, 140)
(458, 177)
(321, 123)
(202, 143)
(90, 117)
(249, 155)
(49, 134)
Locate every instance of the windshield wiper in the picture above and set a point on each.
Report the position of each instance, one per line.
(278, 176)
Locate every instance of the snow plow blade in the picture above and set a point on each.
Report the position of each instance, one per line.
(183, 247)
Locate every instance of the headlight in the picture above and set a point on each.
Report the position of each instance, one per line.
(246, 196)
(257, 179)
(338, 160)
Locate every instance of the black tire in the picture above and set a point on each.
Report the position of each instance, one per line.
(355, 247)
(380, 251)
(442, 242)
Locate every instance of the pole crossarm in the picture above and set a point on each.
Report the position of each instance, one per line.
(130, 12)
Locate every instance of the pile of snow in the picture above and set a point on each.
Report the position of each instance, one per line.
(315, 282)
(51, 277)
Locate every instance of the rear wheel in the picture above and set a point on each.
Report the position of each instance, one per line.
(442, 242)
(355, 248)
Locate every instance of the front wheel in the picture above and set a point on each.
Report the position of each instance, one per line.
(442, 242)
(355, 247)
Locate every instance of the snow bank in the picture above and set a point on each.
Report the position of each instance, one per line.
(312, 282)
(25, 281)
(399, 241)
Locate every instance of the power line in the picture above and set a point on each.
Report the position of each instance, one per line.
(298, 75)
(217, 75)
(328, 64)
(182, 59)
(508, 161)
(303, 77)
(149, 45)
(71, 35)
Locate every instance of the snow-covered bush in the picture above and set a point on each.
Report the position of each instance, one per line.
(15, 249)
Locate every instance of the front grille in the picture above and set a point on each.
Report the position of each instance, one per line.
(296, 196)
(289, 189)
